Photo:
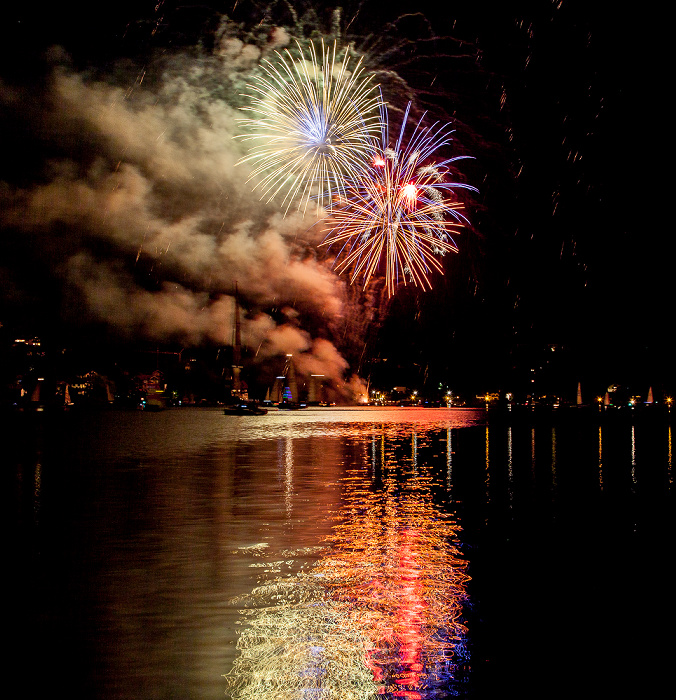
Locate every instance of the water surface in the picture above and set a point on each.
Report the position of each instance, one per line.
(327, 553)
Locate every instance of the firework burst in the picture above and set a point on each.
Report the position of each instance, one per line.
(402, 209)
(312, 124)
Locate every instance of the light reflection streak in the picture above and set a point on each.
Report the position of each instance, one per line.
(449, 460)
(37, 488)
(414, 448)
(601, 457)
(398, 566)
(288, 474)
(373, 457)
(554, 457)
(360, 421)
(510, 467)
(380, 613)
(669, 463)
(488, 477)
(633, 456)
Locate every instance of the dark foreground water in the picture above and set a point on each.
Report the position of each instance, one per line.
(342, 554)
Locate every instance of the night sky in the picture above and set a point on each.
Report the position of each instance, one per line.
(107, 235)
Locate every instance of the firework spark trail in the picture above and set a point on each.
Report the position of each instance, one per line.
(402, 209)
(312, 125)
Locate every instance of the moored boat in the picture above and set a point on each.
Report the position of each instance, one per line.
(245, 409)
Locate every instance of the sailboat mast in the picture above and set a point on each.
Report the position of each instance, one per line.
(236, 349)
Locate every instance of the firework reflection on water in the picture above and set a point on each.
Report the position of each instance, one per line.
(379, 614)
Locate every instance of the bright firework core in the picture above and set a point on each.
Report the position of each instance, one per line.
(410, 194)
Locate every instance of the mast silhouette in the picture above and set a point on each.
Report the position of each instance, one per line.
(236, 352)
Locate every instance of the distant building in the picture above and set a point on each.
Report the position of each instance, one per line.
(92, 387)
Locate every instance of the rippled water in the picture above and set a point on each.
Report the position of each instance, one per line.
(329, 553)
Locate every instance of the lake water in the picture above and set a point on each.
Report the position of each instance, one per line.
(335, 553)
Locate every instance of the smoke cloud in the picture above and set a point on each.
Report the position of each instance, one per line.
(131, 198)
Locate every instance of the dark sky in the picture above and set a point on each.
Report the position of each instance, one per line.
(558, 102)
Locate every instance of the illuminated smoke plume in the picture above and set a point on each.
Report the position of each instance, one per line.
(121, 205)
(137, 213)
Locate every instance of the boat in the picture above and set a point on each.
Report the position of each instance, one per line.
(291, 405)
(245, 409)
